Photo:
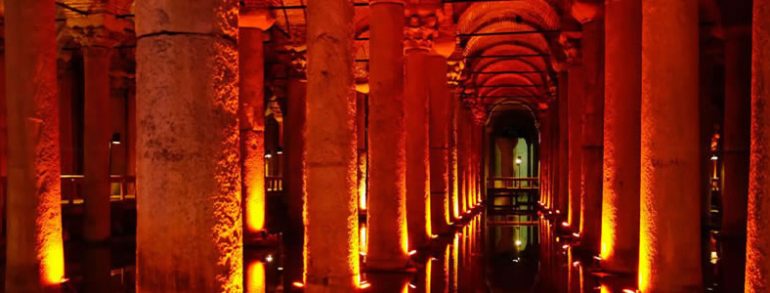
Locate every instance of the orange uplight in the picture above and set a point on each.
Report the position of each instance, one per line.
(255, 209)
(255, 281)
(52, 260)
(362, 238)
(362, 184)
(609, 225)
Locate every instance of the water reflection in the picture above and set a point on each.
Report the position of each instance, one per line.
(518, 253)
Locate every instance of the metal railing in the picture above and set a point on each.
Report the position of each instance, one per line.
(121, 188)
(519, 183)
(274, 184)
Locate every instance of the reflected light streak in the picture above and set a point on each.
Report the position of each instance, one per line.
(255, 273)
(362, 238)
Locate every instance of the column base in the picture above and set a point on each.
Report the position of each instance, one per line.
(260, 239)
(390, 266)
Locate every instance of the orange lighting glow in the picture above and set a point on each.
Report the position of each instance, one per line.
(362, 183)
(362, 238)
(52, 260)
(255, 209)
(255, 273)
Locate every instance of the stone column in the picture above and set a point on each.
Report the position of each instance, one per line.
(331, 206)
(622, 110)
(251, 110)
(563, 162)
(592, 136)
(96, 141)
(190, 238)
(3, 135)
(387, 167)
(294, 176)
(669, 240)
(454, 175)
(440, 100)
(574, 102)
(417, 149)
(34, 253)
(758, 226)
(735, 160)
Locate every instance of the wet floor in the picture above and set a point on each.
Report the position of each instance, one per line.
(522, 253)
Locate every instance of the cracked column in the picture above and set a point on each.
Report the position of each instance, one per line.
(253, 22)
(758, 226)
(622, 110)
(669, 233)
(331, 206)
(387, 141)
(34, 253)
(440, 119)
(189, 234)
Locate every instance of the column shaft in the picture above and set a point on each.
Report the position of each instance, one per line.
(189, 224)
(575, 100)
(387, 169)
(417, 148)
(669, 240)
(592, 136)
(96, 143)
(735, 162)
(331, 207)
(34, 252)
(252, 127)
(294, 177)
(563, 149)
(440, 121)
(622, 110)
(758, 225)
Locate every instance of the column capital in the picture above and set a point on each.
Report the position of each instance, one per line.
(298, 63)
(585, 11)
(421, 26)
(98, 29)
(455, 72)
(571, 44)
(255, 14)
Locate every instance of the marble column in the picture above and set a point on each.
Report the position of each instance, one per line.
(190, 238)
(96, 142)
(440, 118)
(735, 159)
(669, 240)
(3, 136)
(252, 24)
(416, 86)
(592, 136)
(331, 206)
(34, 252)
(758, 225)
(622, 130)
(387, 139)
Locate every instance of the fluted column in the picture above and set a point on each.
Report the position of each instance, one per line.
(439, 132)
(592, 136)
(758, 226)
(417, 147)
(669, 242)
(387, 167)
(622, 110)
(190, 238)
(34, 252)
(331, 207)
(96, 142)
(251, 110)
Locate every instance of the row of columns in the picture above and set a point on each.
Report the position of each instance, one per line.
(651, 191)
(205, 81)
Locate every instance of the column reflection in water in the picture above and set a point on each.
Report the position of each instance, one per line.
(441, 271)
(255, 276)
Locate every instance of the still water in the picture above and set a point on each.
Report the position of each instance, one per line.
(518, 253)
